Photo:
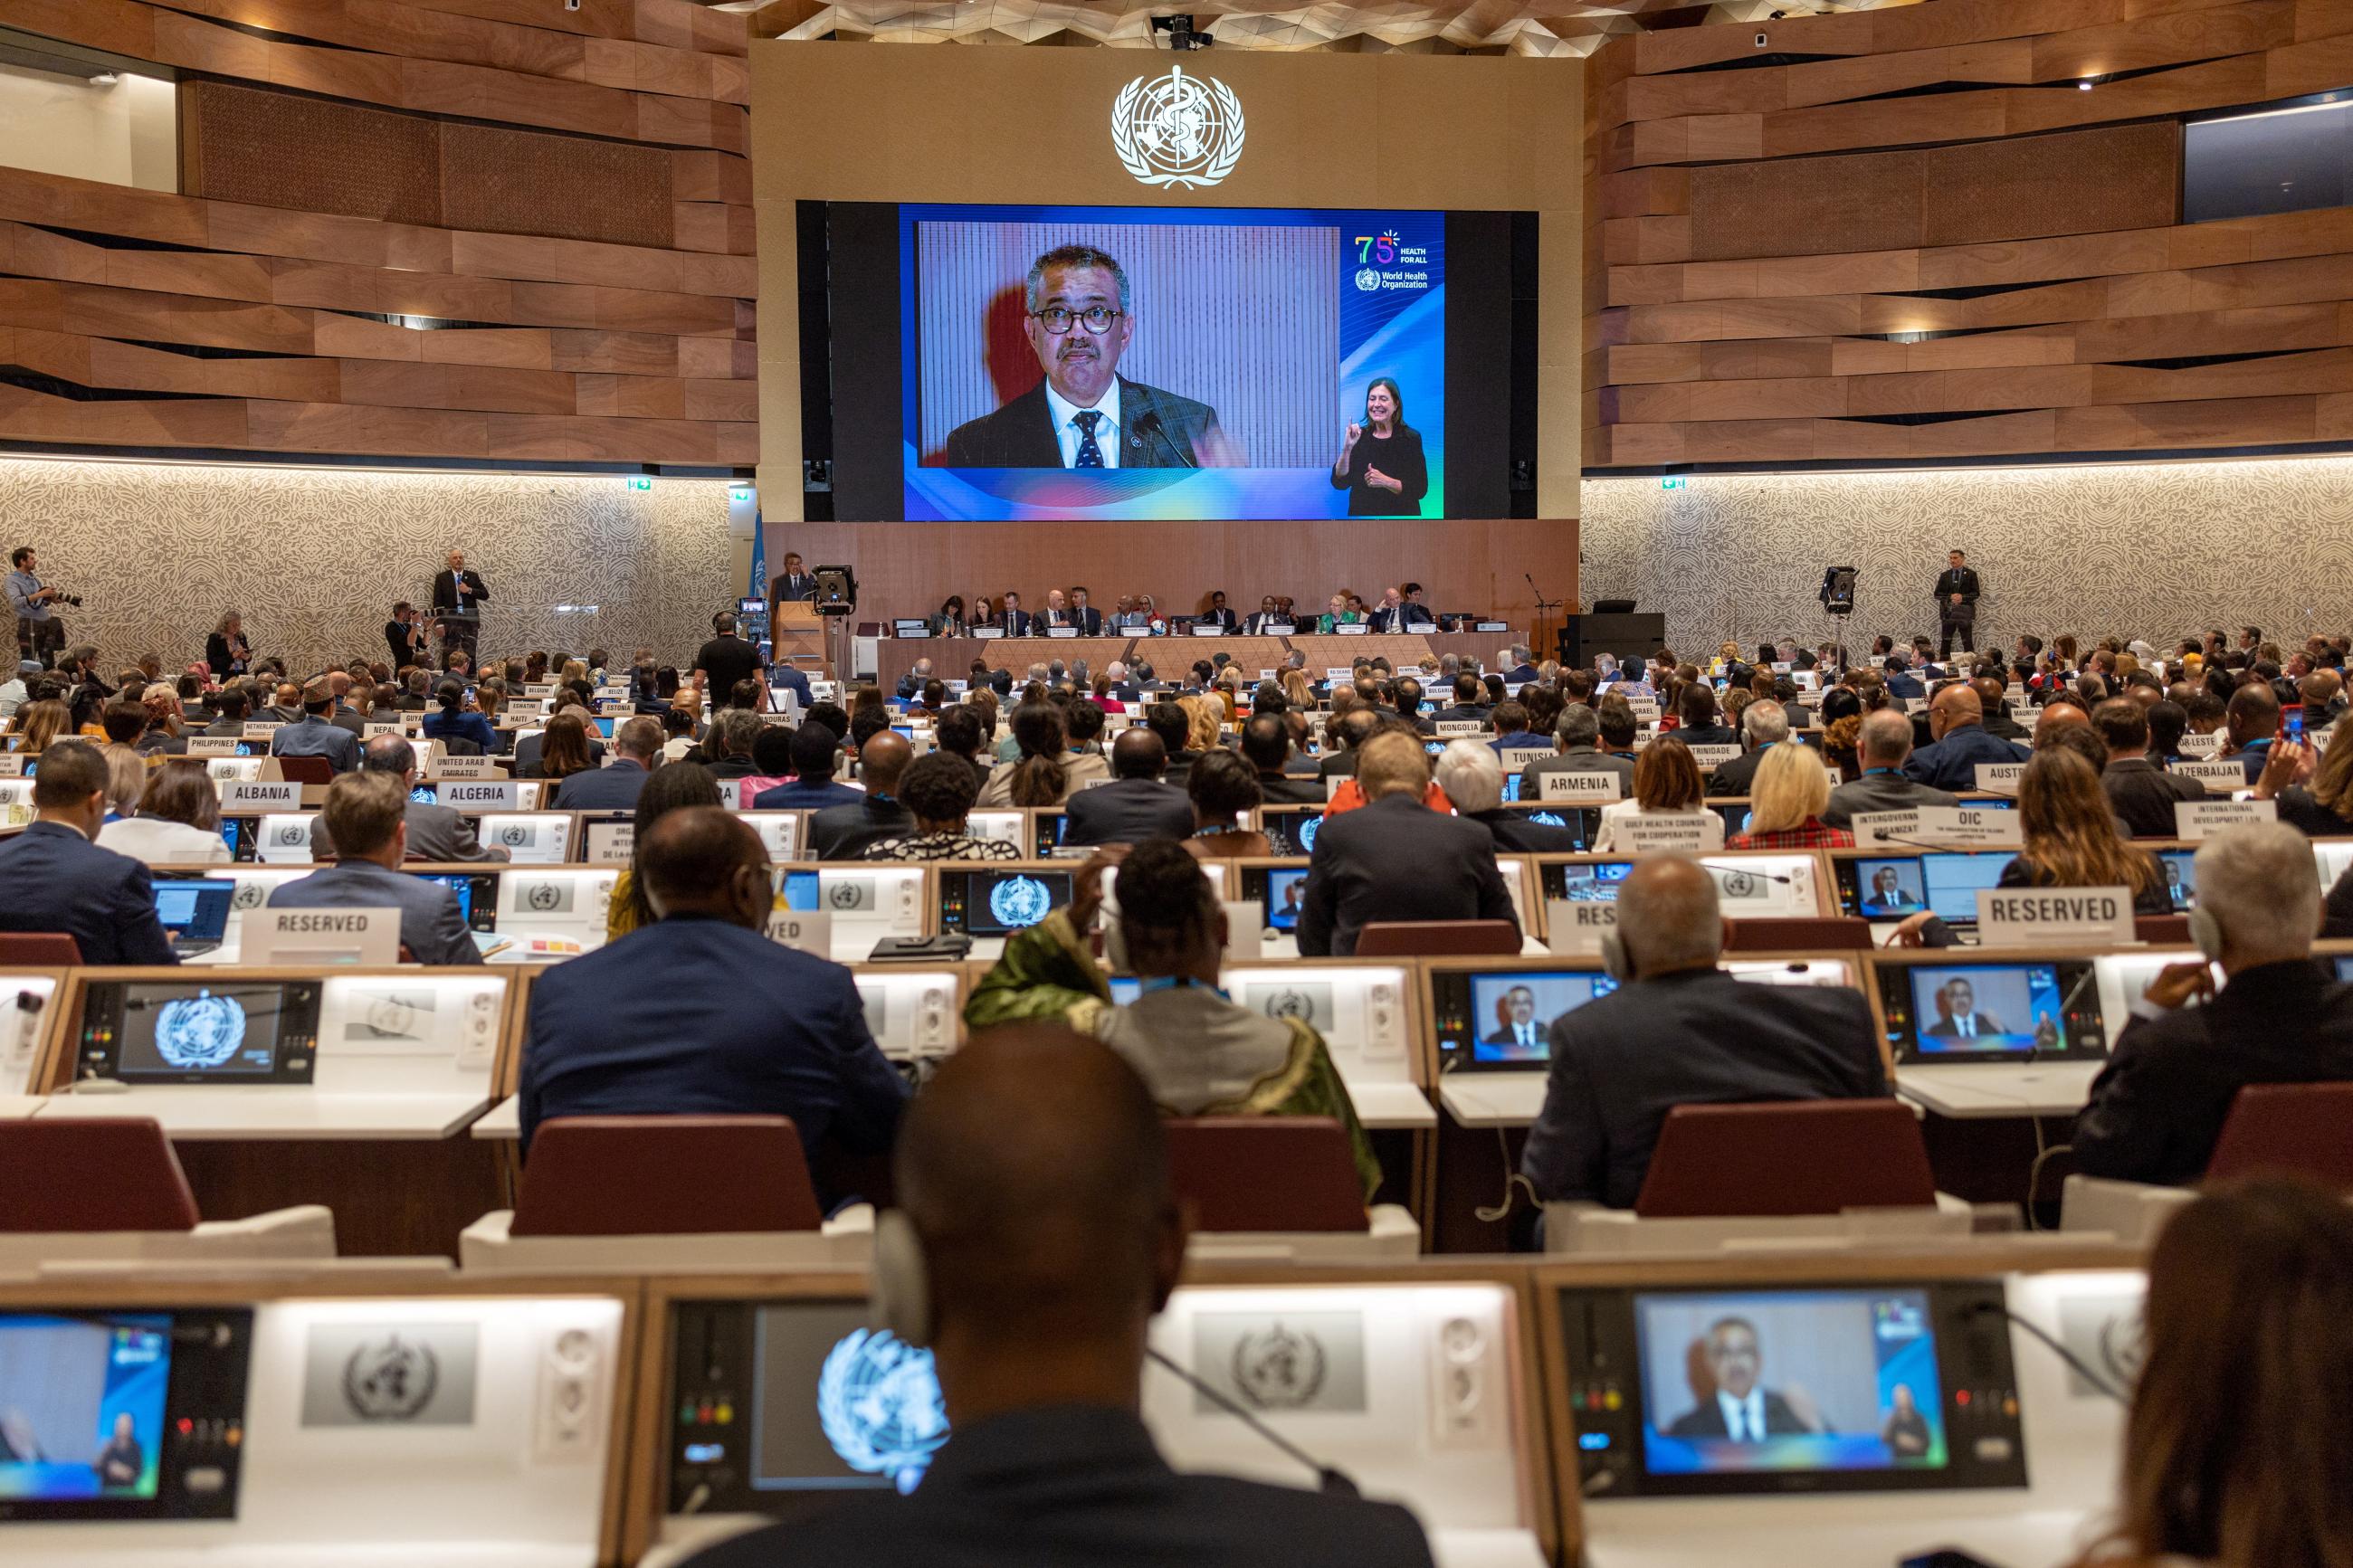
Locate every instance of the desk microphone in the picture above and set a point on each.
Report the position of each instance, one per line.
(1148, 424)
(1330, 1481)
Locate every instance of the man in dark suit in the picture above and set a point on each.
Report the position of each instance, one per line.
(2252, 720)
(843, 832)
(2141, 794)
(458, 591)
(316, 735)
(1135, 805)
(1901, 684)
(1519, 1026)
(365, 817)
(1580, 729)
(1522, 669)
(1764, 724)
(403, 637)
(1741, 1411)
(1957, 1016)
(437, 835)
(1266, 614)
(54, 878)
(1679, 1031)
(1266, 747)
(1957, 605)
(1219, 616)
(616, 786)
(699, 1014)
(1470, 701)
(1395, 859)
(1011, 620)
(2158, 1106)
(1044, 1258)
(1084, 414)
(1084, 615)
(793, 585)
(1956, 721)
(816, 752)
(1882, 747)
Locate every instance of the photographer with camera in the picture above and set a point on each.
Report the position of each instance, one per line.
(40, 633)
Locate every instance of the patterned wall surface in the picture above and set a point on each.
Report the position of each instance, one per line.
(2145, 551)
(316, 558)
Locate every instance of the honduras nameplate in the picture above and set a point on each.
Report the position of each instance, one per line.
(1666, 833)
(2220, 774)
(2037, 917)
(2197, 819)
(810, 931)
(1574, 927)
(1600, 784)
(1711, 757)
(1999, 778)
(246, 794)
(482, 794)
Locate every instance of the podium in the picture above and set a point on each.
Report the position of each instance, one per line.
(455, 629)
(797, 637)
(1627, 635)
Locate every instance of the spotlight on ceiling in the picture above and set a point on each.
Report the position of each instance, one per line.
(1182, 35)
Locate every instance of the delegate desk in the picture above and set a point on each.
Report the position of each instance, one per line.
(1415, 1383)
(378, 1421)
(281, 1086)
(27, 1037)
(2008, 1456)
(1278, 887)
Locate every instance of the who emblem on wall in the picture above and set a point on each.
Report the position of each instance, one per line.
(1177, 130)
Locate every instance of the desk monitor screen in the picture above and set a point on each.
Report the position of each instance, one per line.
(1292, 832)
(1793, 1389)
(477, 896)
(801, 892)
(173, 1031)
(107, 1416)
(195, 910)
(1587, 882)
(1965, 1012)
(1280, 890)
(782, 1407)
(998, 903)
(1502, 1022)
(2179, 866)
(1890, 887)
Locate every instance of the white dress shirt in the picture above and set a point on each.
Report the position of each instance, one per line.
(1066, 429)
(1743, 1419)
(159, 843)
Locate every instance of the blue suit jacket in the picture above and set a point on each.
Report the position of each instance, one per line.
(613, 787)
(802, 795)
(692, 1016)
(1952, 762)
(54, 879)
(431, 925)
(785, 674)
(315, 737)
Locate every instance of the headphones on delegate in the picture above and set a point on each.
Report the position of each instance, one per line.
(2206, 934)
(1616, 961)
(898, 1281)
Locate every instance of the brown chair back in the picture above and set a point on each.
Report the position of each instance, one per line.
(1437, 939)
(40, 950)
(2162, 931)
(306, 770)
(1267, 1173)
(95, 1175)
(1800, 933)
(1786, 1157)
(665, 1175)
(2291, 1129)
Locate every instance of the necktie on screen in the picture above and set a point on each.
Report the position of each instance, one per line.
(1089, 455)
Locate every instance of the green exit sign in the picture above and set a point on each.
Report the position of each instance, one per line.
(1673, 483)
(642, 482)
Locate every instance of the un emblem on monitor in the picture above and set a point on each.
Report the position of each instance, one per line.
(880, 1405)
(1019, 901)
(198, 1032)
(1177, 130)
(1281, 1369)
(390, 1380)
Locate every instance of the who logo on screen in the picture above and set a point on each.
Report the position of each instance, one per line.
(1177, 130)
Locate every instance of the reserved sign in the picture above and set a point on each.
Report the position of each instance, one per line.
(809, 933)
(1573, 928)
(2197, 819)
(2027, 917)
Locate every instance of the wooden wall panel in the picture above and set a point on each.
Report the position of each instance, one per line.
(1802, 256)
(481, 230)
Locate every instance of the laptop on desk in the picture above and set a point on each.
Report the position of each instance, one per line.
(194, 913)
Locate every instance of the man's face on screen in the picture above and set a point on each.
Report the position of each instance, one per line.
(1961, 998)
(1080, 363)
(1733, 1356)
(1521, 1004)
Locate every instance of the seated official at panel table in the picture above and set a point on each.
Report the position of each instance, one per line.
(1083, 414)
(699, 1014)
(1679, 1031)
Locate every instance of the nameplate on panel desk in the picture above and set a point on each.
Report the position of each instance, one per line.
(1200, 630)
(2209, 744)
(467, 768)
(1351, 629)
(1599, 785)
(1279, 629)
(987, 632)
(2197, 819)
(1999, 778)
(1339, 672)
(1671, 833)
(212, 745)
(1061, 631)
(260, 729)
(482, 794)
(1573, 928)
(809, 931)
(1483, 626)
(248, 796)
(2037, 917)
(1451, 727)
(2221, 774)
(1709, 757)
